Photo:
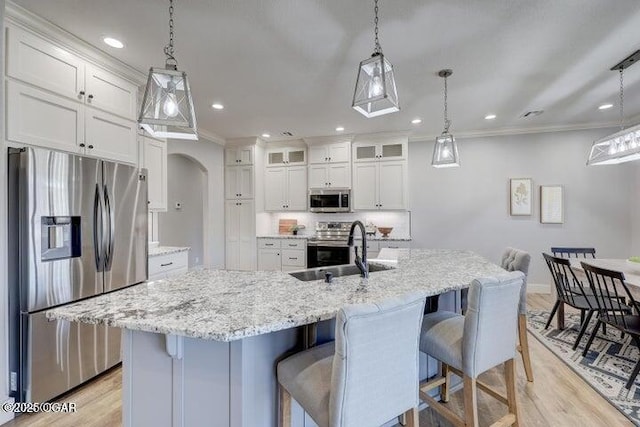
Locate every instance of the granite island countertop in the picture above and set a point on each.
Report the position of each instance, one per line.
(166, 250)
(230, 305)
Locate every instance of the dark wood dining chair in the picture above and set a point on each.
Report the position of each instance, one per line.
(571, 291)
(563, 252)
(612, 287)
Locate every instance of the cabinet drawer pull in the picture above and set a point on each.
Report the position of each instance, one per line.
(295, 259)
(268, 244)
(293, 245)
(166, 264)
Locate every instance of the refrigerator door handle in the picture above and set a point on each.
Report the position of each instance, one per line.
(110, 234)
(98, 212)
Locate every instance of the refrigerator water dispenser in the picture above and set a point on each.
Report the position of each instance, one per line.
(60, 237)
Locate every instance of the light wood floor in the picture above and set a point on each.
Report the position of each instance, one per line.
(558, 397)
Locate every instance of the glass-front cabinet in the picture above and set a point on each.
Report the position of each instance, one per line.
(372, 151)
(286, 157)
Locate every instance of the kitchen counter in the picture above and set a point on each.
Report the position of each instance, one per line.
(226, 305)
(311, 236)
(205, 344)
(166, 250)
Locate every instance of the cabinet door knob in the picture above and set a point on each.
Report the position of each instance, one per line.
(81, 93)
(90, 147)
(326, 158)
(82, 145)
(329, 158)
(90, 96)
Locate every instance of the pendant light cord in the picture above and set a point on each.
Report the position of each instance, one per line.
(447, 122)
(378, 49)
(621, 98)
(169, 49)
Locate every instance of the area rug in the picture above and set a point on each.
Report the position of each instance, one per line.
(606, 367)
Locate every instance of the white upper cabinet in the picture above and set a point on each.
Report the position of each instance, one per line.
(239, 156)
(40, 118)
(43, 64)
(286, 157)
(110, 137)
(285, 189)
(375, 151)
(109, 92)
(380, 186)
(335, 175)
(67, 102)
(155, 161)
(330, 153)
(239, 182)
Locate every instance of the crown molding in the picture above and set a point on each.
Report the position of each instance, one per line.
(519, 131)
(212, 137)
(27, 20)
(319, 140)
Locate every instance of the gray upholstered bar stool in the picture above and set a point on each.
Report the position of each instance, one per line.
(517, 260)
(469, 345)
(367, 377)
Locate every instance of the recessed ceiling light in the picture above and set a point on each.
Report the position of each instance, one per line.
(113, 42)
(339, 129)
(217, 106)
(416, 121)
(266, 135)
(605, 106)
(490, 117)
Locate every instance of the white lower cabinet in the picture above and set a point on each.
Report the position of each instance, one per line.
(282, 254)
(285, 188)
(163, 266)
(240, 234)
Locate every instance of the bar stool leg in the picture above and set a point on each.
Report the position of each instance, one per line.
(285, 407)
(446, 387)
(412, 417)
(510, 380)
(470, 402)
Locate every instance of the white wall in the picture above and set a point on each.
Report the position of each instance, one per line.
(184, 226)
(211, 157)
(4, 333)
(468, 207)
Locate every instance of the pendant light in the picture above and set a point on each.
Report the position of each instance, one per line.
(445, 151)
(622, 146)
(167, 106)
(375, 92)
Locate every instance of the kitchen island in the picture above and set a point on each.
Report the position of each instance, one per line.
(201, 348)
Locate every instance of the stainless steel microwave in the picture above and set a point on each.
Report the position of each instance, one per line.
(329, 201)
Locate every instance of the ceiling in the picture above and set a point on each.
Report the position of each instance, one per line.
(290, 65)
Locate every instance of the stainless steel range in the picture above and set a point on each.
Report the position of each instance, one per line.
(330, 245)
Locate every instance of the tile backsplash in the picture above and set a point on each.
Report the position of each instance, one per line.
(400, 221)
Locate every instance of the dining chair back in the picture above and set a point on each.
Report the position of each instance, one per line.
(568, 287)
(573, 252)
(611, 289)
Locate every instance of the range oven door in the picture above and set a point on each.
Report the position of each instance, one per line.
(325, 256)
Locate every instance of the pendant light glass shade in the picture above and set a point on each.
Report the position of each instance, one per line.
(445, 152)
(621, 147)
(376, 92)
(167, 106)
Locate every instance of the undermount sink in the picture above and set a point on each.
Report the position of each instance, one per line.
(336, 271)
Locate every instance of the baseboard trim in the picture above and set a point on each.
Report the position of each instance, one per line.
(538, 288)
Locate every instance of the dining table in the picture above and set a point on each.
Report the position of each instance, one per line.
(630, 269)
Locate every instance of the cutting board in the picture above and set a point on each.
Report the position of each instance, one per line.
(284, 226)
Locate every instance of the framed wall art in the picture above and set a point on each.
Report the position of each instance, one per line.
(520, 196)
(551, 204)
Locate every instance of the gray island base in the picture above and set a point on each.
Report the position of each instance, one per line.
(200, 349)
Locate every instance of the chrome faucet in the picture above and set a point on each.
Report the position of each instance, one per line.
(361, 263)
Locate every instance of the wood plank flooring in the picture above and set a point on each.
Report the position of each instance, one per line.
(558, 397)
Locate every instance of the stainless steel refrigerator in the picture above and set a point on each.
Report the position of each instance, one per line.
(77, 229)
